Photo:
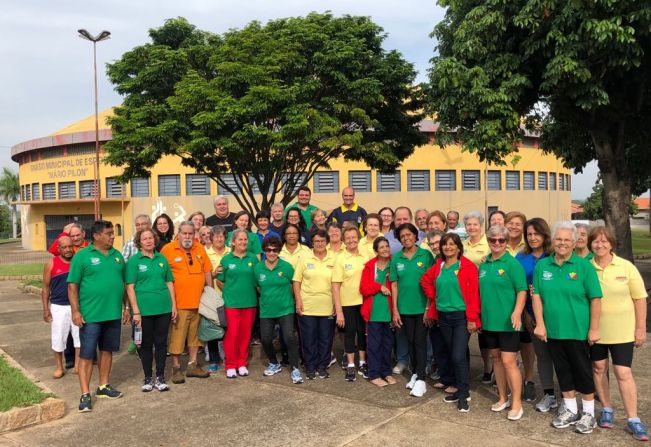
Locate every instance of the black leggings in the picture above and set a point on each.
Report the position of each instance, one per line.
(417, 340)
(286, 323)
(355, 326)
(154, 335)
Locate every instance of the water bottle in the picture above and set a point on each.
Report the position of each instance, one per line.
(137, 335)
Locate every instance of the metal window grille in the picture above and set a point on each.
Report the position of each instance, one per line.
(529, 181)
(140, 187)
(494, 180)
(360, 180)
(542, 181)
(326, 181)
(49, 191)
(446, 180)
(169, 185)
(470, 181)
(113, 188)
(67, 190)
(197, 185)
(388, 182)
(513, 180)
(36, 191)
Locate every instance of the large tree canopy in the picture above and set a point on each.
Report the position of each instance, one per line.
(268, 103)
(578, 72)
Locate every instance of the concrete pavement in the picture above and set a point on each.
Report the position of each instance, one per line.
(272, 411)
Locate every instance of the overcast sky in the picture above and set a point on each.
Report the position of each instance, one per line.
(46, 79)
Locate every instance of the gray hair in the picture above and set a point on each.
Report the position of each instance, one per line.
(456, 213)
(218, 229)
(143, 216)
(77, 225)
(420, 210)
(473, 215)
(220, 197)
(237, 232)
(583, 226)
(497, 230)
(186, 223)
(433, 233)
(277, 205)
(565, 225)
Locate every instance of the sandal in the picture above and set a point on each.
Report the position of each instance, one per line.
(379, 382)
(450, 390)
(440, 385)
(390, 380)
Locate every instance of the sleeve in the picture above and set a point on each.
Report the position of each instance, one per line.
(635, 283)
(338, 270)
(298, 273)
(206, 265)
(256, 246)
(131, 275)
(169, 276)
(518, 277)
(591, 282)
(428, 282)
(535, 280)
(289, 271)
(473, 306)
(74, 275)
(256, 270)
(393, 271)
(367, 285)
(222, 275)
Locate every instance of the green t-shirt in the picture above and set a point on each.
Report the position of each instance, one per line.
(588, 257)
(276, 297)
(500, 281)
(307, 213)
(380, 312)
(239, 281)
(253, 247)
(101, 283)
(150, 277)
(566, 292)
(448, 291)
(407, 272)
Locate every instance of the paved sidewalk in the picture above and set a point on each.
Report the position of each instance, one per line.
(271, 411)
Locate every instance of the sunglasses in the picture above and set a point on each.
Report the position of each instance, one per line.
(272, 250)
(189, 258)
(494, 240)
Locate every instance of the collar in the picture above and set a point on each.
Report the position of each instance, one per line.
(92, 247)
(141, 255)
(481, 241)
(571, 260)
(500, 259)
(352, 208)
(328, 256)
(615, 261)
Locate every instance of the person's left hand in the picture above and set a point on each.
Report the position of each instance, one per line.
(126, 316)
(472, 327)
(516, 321)
(640, 338)
(593, 336)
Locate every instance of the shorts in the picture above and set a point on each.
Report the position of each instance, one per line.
(104, 335)
(62, 326)
(502, 340)
(184, 329)
(525, 336)
(621, 353)
(571, 359)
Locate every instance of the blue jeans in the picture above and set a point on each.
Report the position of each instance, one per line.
(441, 355)
(454, 329)
(104, 336)
(402, 347)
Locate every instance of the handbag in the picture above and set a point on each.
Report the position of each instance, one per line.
(209, 331)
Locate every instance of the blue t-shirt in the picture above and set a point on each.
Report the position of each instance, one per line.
(529, 262)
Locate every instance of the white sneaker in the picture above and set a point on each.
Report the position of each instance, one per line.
(243, 371)
(547, 403)
(419, 389)
(399, 368)
(412, 381)
(231, 373)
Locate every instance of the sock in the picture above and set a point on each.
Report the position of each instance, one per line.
(588, 406)
(549, 391)
(101, 387)
(362, 363)
(635, 419)
(571, 405)
(351, 365)
(607, 409)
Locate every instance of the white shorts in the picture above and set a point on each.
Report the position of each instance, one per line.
(62, 326)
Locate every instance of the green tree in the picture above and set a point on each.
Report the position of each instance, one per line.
(593, 208)
(269, 103)
(9, 192)
(577, 72)
(5, 222)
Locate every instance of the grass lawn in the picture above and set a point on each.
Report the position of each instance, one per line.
(33, 282)
(8, 241)
(641, 242)
(21, 269)
(16, 390)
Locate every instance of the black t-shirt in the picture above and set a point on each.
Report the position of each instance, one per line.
(226, 222)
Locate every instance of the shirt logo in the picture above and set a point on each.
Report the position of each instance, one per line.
(482, 273)
(309, 266)
(160, 264)
(262, 277)
(231, 266)
(95, 261)
(456, 272)
(572, 276)
(348, 267)
(142, 267)
(400, 266)
(250, 264)
(177, 259)
(547, 276)
(117, 260)
(420, 264)
(280, 274)
(500, 272)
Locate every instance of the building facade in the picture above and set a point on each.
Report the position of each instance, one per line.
(56, 177)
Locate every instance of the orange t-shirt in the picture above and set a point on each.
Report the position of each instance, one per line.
(189, 277)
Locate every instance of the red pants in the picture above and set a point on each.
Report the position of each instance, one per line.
(238, 336)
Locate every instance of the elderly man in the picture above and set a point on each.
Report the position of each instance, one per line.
(349, 211)
(142, 222)
(76, 233)
(453, 225)
(223, 216)
(96, 294)
(402, 215)
(420, 218)
(192, 271)
(303, 204)
(277, 222)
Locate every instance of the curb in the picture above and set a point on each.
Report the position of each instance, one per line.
(30, 289)
(19, 277)
(50, 409)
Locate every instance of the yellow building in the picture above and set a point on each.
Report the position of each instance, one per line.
(56, 177)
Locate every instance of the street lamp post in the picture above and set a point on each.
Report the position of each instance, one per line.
(101, 36)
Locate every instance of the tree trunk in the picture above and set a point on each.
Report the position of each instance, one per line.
(13, 221)
(616, 197)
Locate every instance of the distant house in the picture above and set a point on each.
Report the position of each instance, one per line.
(577, 211)
(642, 208)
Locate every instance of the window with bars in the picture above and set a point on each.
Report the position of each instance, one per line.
(86, 189)
(513, 180)
(494, 180)
(140, 187)
(360, 180)
(169, 185)
(542, 181)
(49, 191)
(388, 182)
(81, 149)
(470, 181)
(561, 182)
(229, 179)
(446, 180)
(326, 181)
(67, 190)
(418, 181)
(53, 152)
(197, 185)
(28, 193)
(113, 188)
(568, 183)
(529, 180)
(36, 191)
(552, 181)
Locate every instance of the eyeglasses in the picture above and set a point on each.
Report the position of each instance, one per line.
(494, 240)
(189, 258)
(272, 250)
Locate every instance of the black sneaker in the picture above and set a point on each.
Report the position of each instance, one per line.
(462, 405)
(487, 378)
(363, 370)
(350, 374)
(451, 398)
(529, 392)
(311, 375)
(108, 392)
(323, 373)
(85, 404)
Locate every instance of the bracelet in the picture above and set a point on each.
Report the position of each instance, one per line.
(136, 313)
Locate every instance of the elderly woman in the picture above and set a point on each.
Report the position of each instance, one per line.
(538, 245)
(242, 221)
(386, 215)
(622, 327)
(503, 291)
(273, 278)
(318, 217)
(410, 302)
(292, 249)
(335, 236)
(582, 248)
(567, 306)
(476, 249)
(452, 288)
(312, 285)
(150, 288)
(198, 219)
(216, 251)
(346, 276)
(497, 218)
(205, 238)
(237, 281)
(375, 287)
(371, 227)
(436, 221)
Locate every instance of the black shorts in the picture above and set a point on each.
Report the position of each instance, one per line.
(621, 353)
(502, 340)
(525, 336)
(572, 364)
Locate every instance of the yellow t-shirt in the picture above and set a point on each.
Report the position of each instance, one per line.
(348, 271)
(425, 246)
(518, 248)
(342, 247)
(292, 258)
(621, 283)
(476, 252)
(215, 258)
(366, 248)
(315, 276)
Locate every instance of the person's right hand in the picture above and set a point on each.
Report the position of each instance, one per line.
(341, 321)
(385, 291)
(541, 332)
(78, 319)
(47, 316)
(397, 321)
(299, 307)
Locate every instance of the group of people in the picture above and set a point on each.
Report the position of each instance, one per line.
(407, 292)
